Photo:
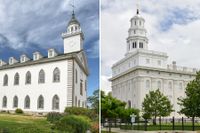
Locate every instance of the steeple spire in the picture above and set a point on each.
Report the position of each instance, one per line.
(138, 7)
(73, 9)
(138, 12)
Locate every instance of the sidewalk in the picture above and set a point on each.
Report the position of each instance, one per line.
(117, 130)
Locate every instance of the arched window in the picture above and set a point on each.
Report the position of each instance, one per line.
(170, 85)
(41, 76)
(15, 102)
(56, 75)
(27, 102)
(28, 77)
(55, 103)
(81, 88)
(147, 84)
(5, 80)
(40, 102)
(16, 79)
(75, 101)
(4, 104)
(159, 85)
(129, 104)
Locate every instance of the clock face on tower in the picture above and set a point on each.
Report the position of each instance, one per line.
(72, 43)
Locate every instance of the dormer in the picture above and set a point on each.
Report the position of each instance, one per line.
(24, 58)
(2, 63)
(12, 60)
(37, 56)
(52, 53)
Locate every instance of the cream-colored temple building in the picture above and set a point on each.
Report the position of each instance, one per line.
(143, 70)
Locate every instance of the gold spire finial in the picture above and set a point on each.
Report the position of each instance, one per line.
(138, 7)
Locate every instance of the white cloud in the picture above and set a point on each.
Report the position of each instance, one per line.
(172, 27)
(105, 85)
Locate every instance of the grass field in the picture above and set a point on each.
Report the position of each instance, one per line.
(11, 123)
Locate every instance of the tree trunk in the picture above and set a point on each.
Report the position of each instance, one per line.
(193, 123)
(154, 121)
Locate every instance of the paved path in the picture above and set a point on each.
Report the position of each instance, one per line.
(117, 130)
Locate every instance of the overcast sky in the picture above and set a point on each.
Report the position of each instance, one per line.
(27, 26)
(172, 26)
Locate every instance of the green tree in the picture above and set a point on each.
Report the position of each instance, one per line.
(110, 106)
(114, 108)
(155, 105)
(190, 105)
(94, 101)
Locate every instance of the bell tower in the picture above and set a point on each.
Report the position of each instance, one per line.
(73, 38)
(137, 38)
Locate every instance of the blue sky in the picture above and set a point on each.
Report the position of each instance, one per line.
(35, 25)
(172, 27)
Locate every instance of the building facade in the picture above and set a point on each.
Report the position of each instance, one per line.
(143, 70)
(46, 84)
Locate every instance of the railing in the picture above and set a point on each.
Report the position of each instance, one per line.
(170, 124)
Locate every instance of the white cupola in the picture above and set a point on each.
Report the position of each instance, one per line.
(73, 38)
(137, 38)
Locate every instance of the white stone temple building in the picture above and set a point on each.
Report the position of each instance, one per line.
(143, 70)
(43, 84)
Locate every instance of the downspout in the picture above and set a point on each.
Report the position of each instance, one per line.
(73, 83)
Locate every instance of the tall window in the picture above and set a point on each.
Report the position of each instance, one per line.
(55, 103)
(16, 79)
(85, 85)
(75, 101)
(15, 102)
(28, 77)
(180, 86)
(134, 45)
(81, 87)
(147, 84)
(41, 76)
(129, 104)
(5, 80)
(159, 85)
(170, 85)
(40, 102)
(4, 104)
(76, 73)
(27, 102)
(56, 75)
(141, 45)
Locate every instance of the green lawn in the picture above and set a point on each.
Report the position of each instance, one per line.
(11, 123)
